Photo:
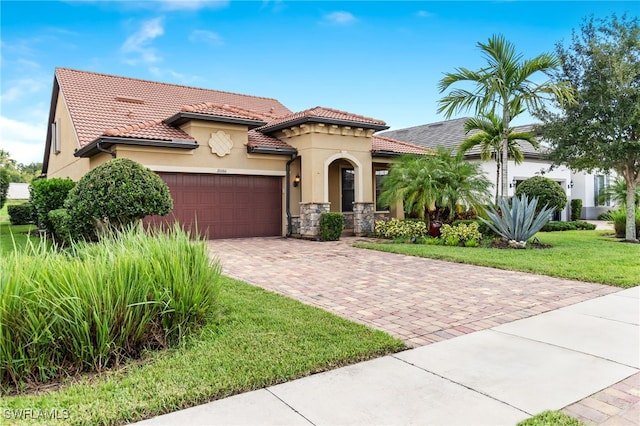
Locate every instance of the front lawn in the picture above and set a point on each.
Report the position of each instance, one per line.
(258, 339)
(580, 255)
(18, 235)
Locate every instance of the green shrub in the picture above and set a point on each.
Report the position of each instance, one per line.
(460, 234)
(4, 186)
(551, 418)
(47, 195)
(96, 305)
(20, 214)
(483, 228)
(518, 222)
(118, 192)
(568, 226)
(576, 208)
(547, 191)
(62, 232)
(605, 216)
(619, 219)
(331, 226)
(405, 229)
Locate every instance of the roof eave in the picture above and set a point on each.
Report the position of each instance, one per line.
(381, 153)
(271, 150)
(303, 120)
(184, 116)
(52, 111)
(92, 148)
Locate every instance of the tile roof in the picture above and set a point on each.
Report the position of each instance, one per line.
(260, 139)
(322, 114)
(384, 144)
(152, 129)
(225, 110)
(98, 102)
(450, 134)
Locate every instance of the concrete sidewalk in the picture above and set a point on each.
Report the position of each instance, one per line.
(496, 376)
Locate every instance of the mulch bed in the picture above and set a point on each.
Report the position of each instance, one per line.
(499, 243)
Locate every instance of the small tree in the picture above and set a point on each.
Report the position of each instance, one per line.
(601, 131)
(547, 191)
(118, 192)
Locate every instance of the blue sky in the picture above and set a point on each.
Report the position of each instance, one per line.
(380, 59)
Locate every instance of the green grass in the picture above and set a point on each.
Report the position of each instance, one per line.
(551, 418)
(18, 235)
(258, 339)
(580, 255)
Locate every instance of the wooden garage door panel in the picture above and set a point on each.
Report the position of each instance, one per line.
(226, 206)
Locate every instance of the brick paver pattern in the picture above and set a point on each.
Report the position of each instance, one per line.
(418, 300)
(617, 405)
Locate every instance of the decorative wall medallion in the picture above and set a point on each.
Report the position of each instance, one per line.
(220, 143)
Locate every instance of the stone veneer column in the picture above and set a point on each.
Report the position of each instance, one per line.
(310, 218)
(363, 218)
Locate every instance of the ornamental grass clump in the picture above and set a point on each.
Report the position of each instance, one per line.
(95, 305)
(519, 221)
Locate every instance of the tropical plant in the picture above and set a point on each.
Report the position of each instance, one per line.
(617, 193)
(546, 190)
(119, 193)
(518, 222)
(602, 130)
(619, 219)
(488, 138)
(397, 228)
(465, 234)
(435, 186)
(505, 82)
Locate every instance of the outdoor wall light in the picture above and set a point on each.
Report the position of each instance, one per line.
(513, 183)
(570, 184)
(296, 181)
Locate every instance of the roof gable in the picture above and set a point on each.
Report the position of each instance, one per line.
(323, 115)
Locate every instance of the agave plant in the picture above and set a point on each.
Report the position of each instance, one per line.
(518, 222)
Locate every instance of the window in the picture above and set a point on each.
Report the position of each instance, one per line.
(348, 189)
(380, 175)
(600, 184)
(55, 137)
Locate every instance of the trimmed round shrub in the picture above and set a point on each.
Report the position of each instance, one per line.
(546, 190)
(331, 225)
(4, 186)
(118, 193)
(47, 195)
(20, 214)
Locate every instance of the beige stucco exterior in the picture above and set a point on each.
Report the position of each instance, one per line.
(322, 151)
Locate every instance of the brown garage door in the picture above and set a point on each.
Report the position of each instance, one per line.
(227, 206)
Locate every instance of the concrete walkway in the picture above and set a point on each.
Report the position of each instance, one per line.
(500, 375)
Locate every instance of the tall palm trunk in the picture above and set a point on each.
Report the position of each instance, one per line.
(506, 118)
(497, 176)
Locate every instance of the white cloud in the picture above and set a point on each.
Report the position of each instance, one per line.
(174, 76)
(138, 43)
(206, 36)
(24, 141)
(424, 14)
(340, 18)
(19, 89)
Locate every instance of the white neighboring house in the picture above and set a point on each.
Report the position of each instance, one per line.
(18, 191)
(450, 134)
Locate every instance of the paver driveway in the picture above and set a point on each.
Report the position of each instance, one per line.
(417, 300)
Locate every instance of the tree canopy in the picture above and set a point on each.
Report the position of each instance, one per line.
(601, 130)
(507, 83)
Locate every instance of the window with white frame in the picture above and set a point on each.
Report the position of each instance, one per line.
(600, 184)
(55, 136)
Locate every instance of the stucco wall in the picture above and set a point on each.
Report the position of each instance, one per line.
(65, 164)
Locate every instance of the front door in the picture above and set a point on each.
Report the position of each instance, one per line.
(348, 189)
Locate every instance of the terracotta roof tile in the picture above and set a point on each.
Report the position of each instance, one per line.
(152, 129)
(381, 143)
(228, 111)
(260, 139)
(322, 113)
(98, 101)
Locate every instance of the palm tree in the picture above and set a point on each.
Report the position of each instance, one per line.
(433, 186)
(617, 192)
(506, 82)
(489, 139)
